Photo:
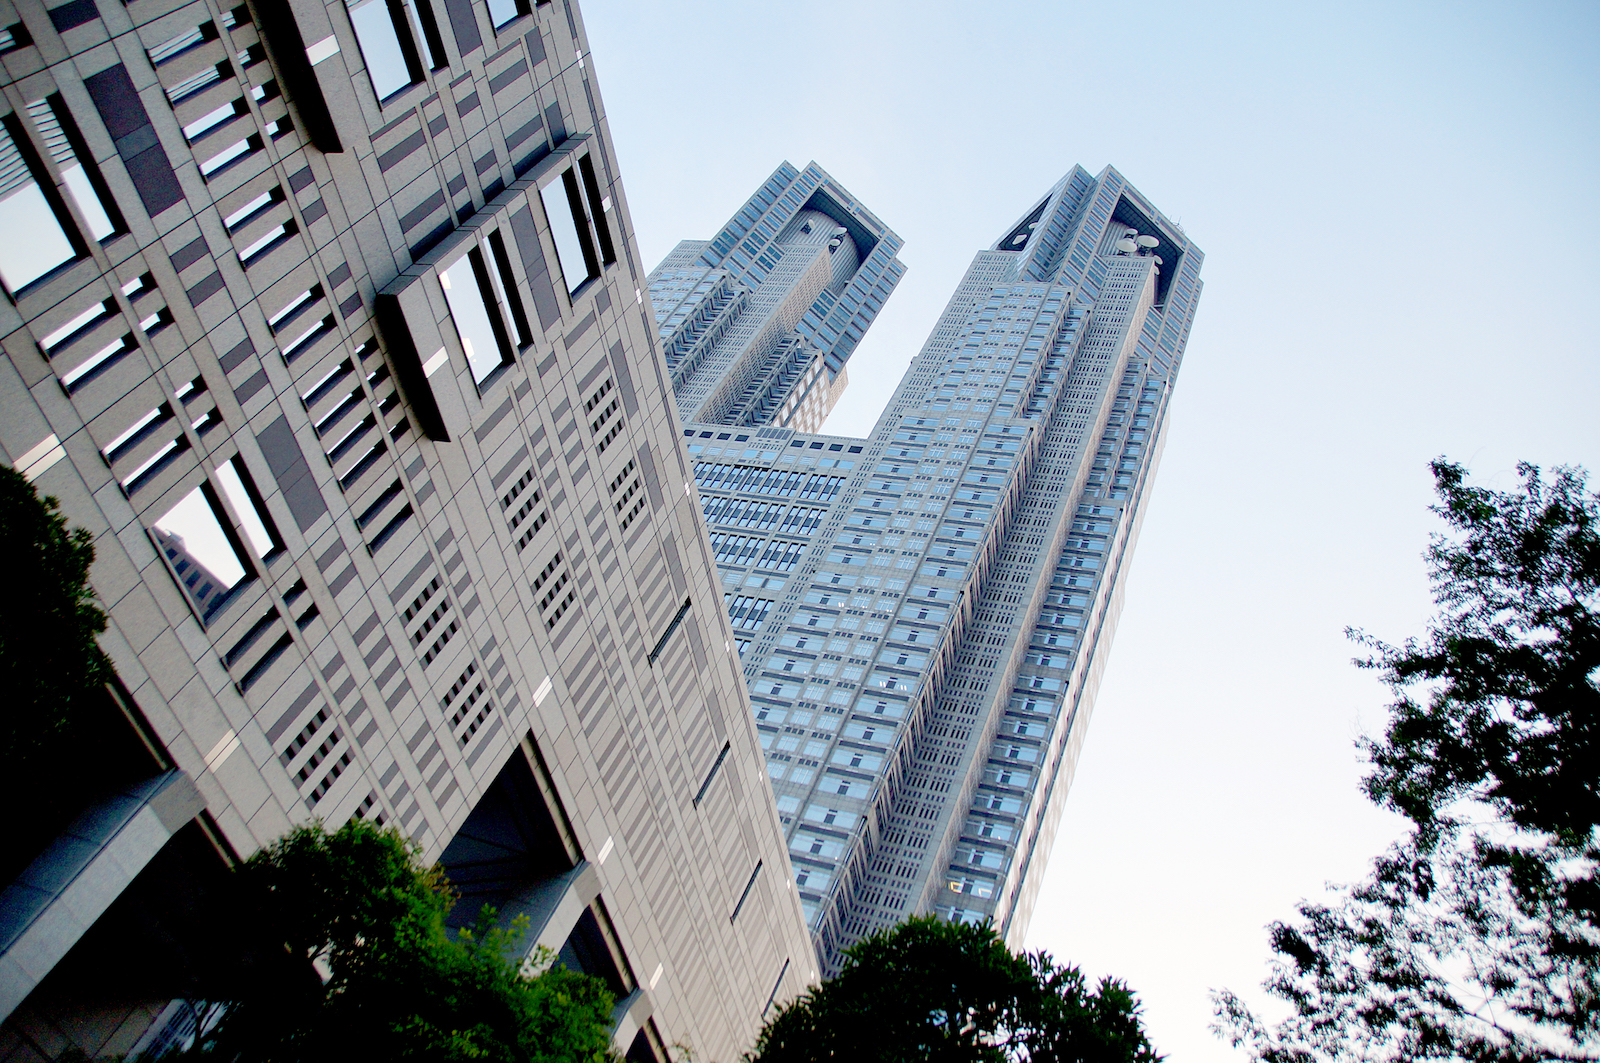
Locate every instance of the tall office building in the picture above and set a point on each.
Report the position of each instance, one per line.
(325, 319)
(924, 615)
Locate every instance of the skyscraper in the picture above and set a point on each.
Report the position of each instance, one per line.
(924, 615)
(325, 319)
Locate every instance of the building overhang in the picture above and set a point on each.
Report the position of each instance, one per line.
(57, 899)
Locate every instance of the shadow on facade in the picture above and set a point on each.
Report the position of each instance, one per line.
(120, 892)
(518, 854)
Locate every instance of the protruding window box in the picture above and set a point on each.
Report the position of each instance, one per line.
(460, 315)
(296, 56)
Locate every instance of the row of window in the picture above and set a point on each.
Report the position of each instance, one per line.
(751, 479)
(400, 39)
(53, 197)
(480, 286)
(1027, 716)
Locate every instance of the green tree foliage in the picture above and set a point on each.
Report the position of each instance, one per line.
(1476, 936)
(935, 991)
(49, 661)
(395, 984)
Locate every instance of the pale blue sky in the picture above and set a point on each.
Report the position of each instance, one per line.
(1397, 204)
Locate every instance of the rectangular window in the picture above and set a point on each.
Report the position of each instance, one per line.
(229, 155)
(569, 226)
(502, 12)
(384, 34)
(506, 287)
(240, 215)
(183, 42)
(99, 362)
(36, 240)
(214, 119)
(432, 42)
(597, 209)
(92, 316)
(66, 149)
(13, 37)
(246, 501)
(195, 83)
(265, 242)
(475, 310)
(205, 553)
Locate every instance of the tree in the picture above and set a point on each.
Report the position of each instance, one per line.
(1476, 936)
(359, 905)
(49, 660)
(932, 990)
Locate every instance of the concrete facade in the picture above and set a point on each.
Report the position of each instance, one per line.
(333, 335)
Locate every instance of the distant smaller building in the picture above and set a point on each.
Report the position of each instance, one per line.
(204, 586)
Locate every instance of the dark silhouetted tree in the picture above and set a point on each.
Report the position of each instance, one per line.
(49, 661)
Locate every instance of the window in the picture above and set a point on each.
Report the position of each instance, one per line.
(569, 228)
(205, 553)
(975, 886)
(229, 155)
(214, 119)
(37, 240)
(13, 37)
(383, 30)
(61, 140)
(476, 312)
(816, 845)
(988, 828)
(505, 284)
(598, 205)
(246, 501)
(502, 12)
(432, 42)
(570, 224)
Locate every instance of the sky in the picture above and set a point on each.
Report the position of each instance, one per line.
(1397, 203)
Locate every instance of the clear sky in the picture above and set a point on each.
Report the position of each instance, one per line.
(1398, 208)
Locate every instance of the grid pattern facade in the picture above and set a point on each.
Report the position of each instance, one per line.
(924, 661)
(334, 339)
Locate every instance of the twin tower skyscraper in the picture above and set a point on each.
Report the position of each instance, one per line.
(923, 615)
